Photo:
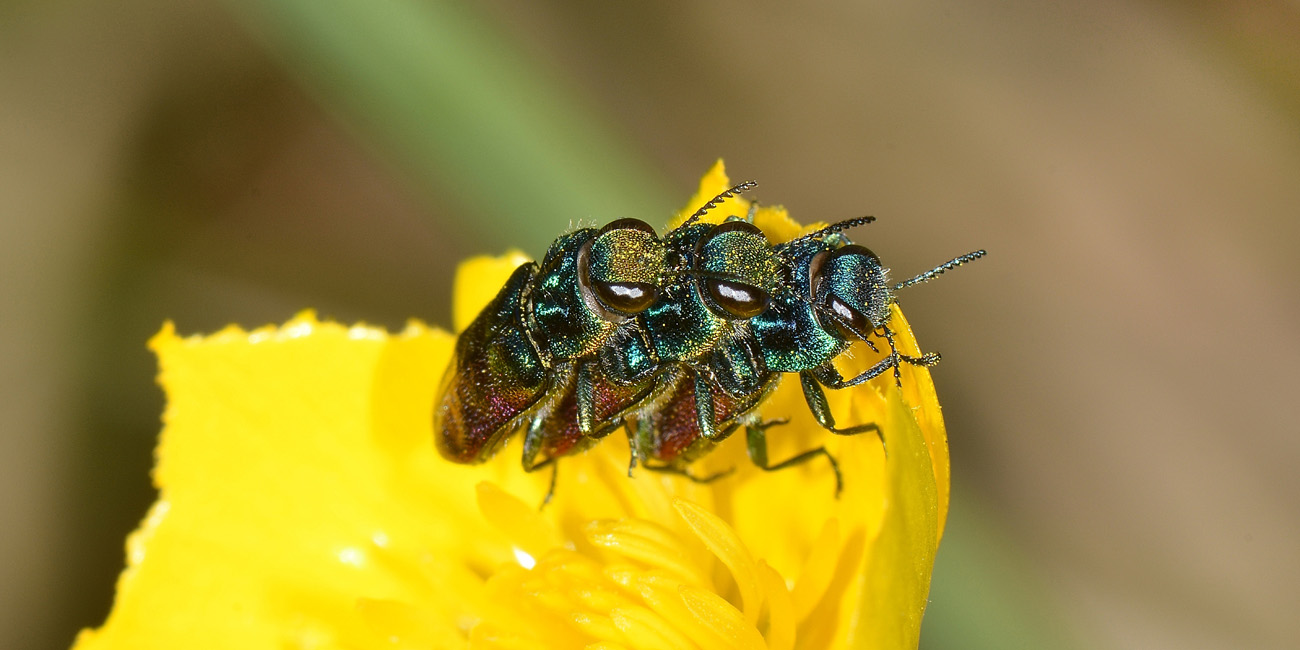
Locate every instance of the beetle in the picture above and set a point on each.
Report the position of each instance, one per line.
(834, 293)
(526, 348)
(841, 295)
(720, 275)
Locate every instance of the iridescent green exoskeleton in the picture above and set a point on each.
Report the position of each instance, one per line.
(537, 342)
(734, 274)
(841, 294)
(720, 275)
(525, 343)
(834, 293)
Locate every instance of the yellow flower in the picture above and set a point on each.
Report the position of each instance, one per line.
(303, 505)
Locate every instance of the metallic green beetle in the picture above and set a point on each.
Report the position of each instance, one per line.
(836, 292)
(525, 341)
(721, 275)
(522, 352)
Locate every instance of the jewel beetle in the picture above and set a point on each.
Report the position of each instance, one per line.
(835, 293)
(720, 275)
(523, 350)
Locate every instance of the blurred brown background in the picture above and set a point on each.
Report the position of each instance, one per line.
(1119, 376)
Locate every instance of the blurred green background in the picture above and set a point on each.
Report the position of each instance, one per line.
(1120, 376)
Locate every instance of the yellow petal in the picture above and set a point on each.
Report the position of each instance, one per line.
(478, 279)
(774, 221)
(900, 559)
(296, 475)
(918, 391)
(303, 506)
(713, 183)
(728, 626)
(730, 549)
(780, 609)
(523, 524)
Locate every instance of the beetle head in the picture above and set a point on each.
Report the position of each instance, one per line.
(850, 293)
(621, 268)
(737, 270)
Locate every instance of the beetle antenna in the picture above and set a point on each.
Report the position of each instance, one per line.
(938, 270)
(829, 230)
(713, 203)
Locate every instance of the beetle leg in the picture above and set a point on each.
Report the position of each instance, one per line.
(631, 461)
(757, 445)
(555, 473)
(641, 441)
(928, 359)
(832, 379)
(683, 472)
(585, 392)
(821, 410)
(532, 445)
(705, 415)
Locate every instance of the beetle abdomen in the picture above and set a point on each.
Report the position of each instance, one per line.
(496, 378)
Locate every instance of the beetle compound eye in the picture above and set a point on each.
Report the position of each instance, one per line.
(738, 251)
(855, 249)
(848, 322)
(849, 289)
(858, 255)
(620, 268)
(736, 299)
(627, 297)
(628, 224)
(815, 271)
